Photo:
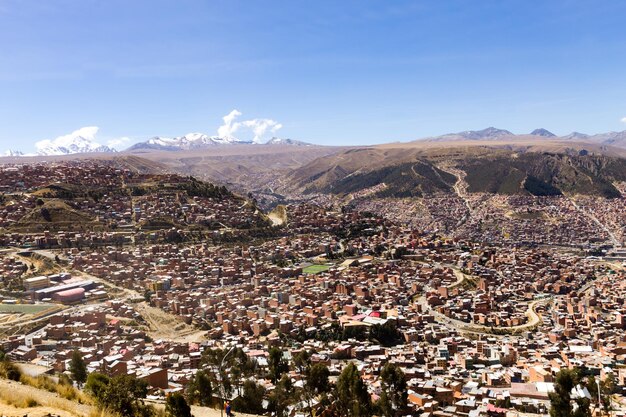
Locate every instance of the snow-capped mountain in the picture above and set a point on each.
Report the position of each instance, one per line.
(73, 149)
(80, 141)
(286, 141)
(13, 152)
(186, 142)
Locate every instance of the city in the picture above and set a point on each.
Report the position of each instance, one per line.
(407, 208)
(474, 326)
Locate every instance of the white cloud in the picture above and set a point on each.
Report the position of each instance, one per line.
(88, 134)
(229, 127)
(623, 119)
(258, 127)
(118, 141)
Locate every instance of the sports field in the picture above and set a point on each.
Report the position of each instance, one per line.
(24, 308)
(316, 269)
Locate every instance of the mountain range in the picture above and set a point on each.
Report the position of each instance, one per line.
(73, 145)
(490, 160)
(191, 141)
(617, 139)
(195, 141)
(187, 142)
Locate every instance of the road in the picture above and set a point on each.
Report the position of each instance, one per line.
(460, 188)
(461, 277)
(462, 327)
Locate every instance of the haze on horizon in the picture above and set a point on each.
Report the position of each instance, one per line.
(328, 73)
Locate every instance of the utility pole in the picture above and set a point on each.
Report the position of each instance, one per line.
(599, 397)
(219, 374)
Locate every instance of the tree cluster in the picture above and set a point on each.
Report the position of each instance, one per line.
(231, 374)
(564, 404)
(122, 394)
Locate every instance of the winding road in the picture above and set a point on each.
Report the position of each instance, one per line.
(534, 319)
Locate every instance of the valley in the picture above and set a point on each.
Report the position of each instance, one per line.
(445, 260)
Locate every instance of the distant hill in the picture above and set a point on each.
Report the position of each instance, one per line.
(403, 171)
(542, 132)
(411, 179)
(545, 174)
(485, 134)
(615, 139)
(284, 168)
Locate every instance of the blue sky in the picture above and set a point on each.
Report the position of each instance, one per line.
(330, 72)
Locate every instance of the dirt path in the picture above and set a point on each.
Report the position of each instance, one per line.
(276, 221)
(197, 411)
(460, 188)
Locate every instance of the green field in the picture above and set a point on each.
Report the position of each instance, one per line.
(316, 269)
(24, 308)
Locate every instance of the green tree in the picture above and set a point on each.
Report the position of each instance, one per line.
(78, 369)
(176, 406)
(281, 397)
(251, 401)
(301, 361)
(96, 385)
(386, 334)
(352, 398)
(561, 399)
(276, 364)
(317, 386)
(234, 369)
(608, 388)
(317, 379)
(123, 394)
(394, 393)
(212, 359)
(241, 367)
(200, 389)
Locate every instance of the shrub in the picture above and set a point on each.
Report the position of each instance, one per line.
(8, 370)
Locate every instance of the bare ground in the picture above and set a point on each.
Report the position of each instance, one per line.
(48, 402)
(163, 325)
(51, 404)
